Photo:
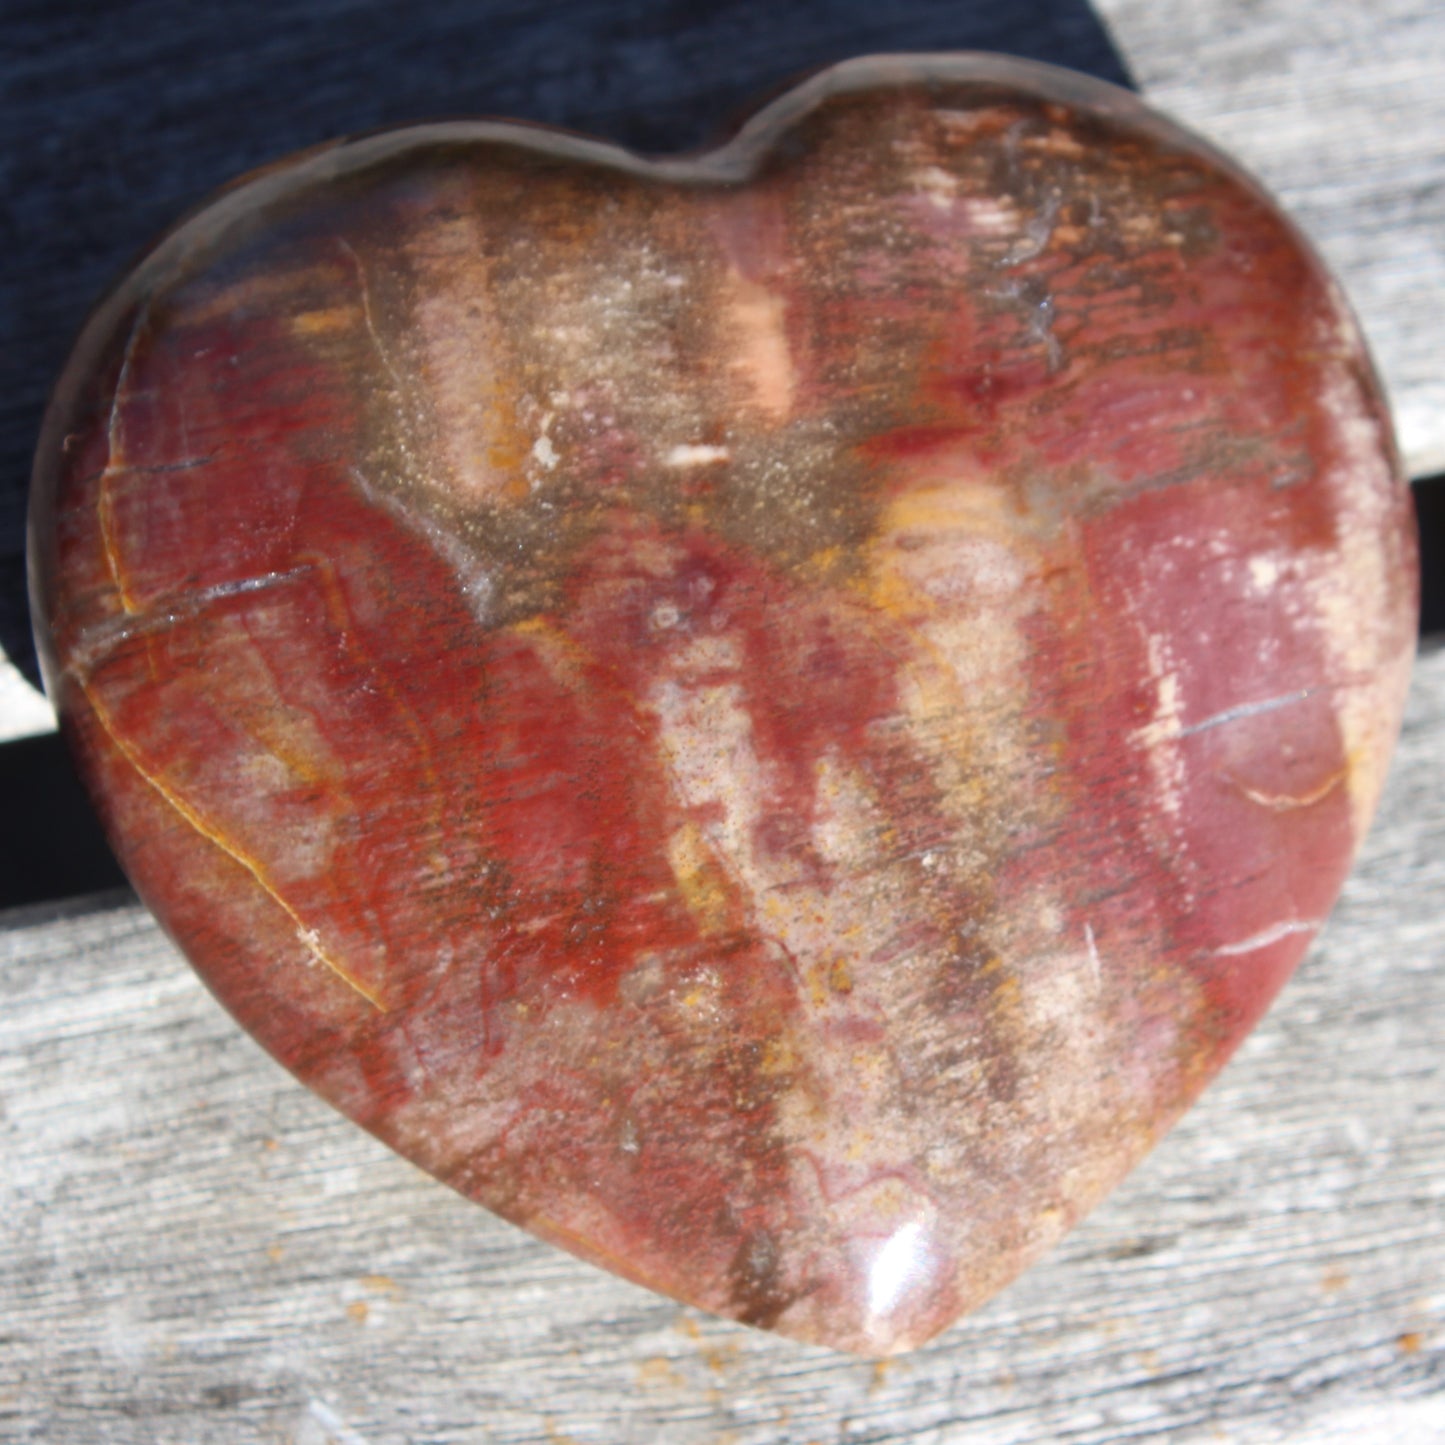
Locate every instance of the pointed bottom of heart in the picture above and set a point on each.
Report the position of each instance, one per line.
(726, 1177)
(852, 1156)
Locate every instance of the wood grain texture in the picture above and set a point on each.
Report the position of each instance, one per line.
(197, 1250)
(1339, 108)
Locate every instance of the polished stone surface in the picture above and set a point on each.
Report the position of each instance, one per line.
(772, 718)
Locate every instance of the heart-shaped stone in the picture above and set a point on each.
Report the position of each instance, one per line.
(771, 717)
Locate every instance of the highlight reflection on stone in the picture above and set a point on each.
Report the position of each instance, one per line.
(772, 718)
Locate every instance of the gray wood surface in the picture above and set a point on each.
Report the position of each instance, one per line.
(196, 1250)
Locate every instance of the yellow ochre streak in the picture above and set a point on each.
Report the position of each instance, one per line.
(114, 462)
(306, 935)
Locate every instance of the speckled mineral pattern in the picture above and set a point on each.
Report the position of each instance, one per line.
(771, 717)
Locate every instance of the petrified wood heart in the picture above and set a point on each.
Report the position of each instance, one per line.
(772, 718)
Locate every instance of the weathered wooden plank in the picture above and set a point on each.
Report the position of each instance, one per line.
(1339, 107)
(196, 1250)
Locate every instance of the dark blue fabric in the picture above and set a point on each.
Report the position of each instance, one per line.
(117, 116)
